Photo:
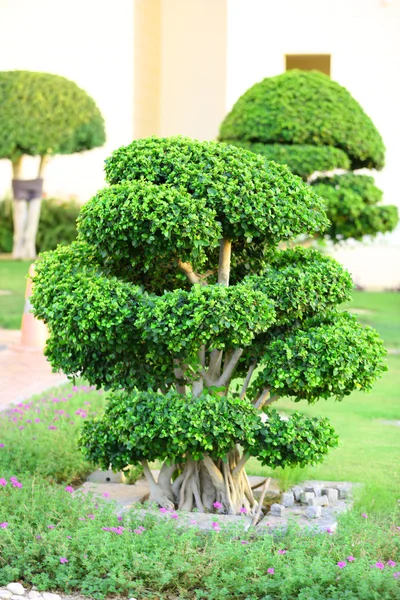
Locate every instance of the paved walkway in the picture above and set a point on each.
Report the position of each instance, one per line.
(22, 373)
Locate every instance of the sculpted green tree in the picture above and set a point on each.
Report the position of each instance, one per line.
(174, 291)
(41, 115)
(312, 124)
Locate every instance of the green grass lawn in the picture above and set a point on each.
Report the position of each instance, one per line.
(12, 279)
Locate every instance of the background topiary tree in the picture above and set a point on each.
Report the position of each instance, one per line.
(312, 124)
(41, 115)
(174, 291)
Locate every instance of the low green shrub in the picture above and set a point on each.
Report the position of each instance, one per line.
(71, 542)
(38, 438)
(56, 225)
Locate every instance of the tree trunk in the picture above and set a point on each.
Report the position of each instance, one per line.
(203, 483)
(26, 215)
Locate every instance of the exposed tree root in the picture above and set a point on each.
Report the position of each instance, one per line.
(200, 484)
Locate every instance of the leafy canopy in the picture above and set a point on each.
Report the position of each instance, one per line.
(140, 301)
(305, 107)
(307, 121)
(42, 113)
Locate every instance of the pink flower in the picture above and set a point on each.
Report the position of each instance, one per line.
(37, 420)
(81, 519)
(379, 565)
(193, 522)
(16, 483)
(138, 531)
(50, 526)
(38, 537)
(106, 495)
(4, 525)
(69, 489)
(271, 571)
(63, 560)
(90, 516)
(142, 528)
(119, 518)
(69, 537)
(163, 510)
(341, 564)
(329, 530)
(351, 558)
(244, 542)
(364, 515)
(2, 446)
(3, 481)
(243, 510)
(21, 428)
(281, 551)
(391, 563)
(215, 526)
(396, 575)
(217, 505)
(174, 515)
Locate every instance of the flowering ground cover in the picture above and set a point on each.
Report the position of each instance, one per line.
(59, 540)
(38, 437)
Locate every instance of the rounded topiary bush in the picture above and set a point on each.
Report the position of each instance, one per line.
(305, 107)
(175, 288)
(45, 114)
(312, 124)
(42, 115)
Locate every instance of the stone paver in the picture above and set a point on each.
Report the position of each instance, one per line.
(23, 373)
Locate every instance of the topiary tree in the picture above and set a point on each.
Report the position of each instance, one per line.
(312, 124)
(41, 115)
(176, 298)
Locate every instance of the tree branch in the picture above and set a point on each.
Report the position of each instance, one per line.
(215, 474)
(214, 368)
(179, 374)
(240, 466)
(247, 380)
(206, 378)
(228, 372)
(224, 266)
(187, 269)
(265, 399)
(17, 167)
(147, 472)
(44, 159)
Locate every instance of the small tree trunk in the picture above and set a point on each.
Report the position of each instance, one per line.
(26, 215)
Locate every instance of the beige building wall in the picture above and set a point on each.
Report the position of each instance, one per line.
(90, 42)
(363, 39)
(193, 67)
(147, 77)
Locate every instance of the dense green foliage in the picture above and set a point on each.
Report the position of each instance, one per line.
(351, 214)
(42, 114)
(251, 198)
(172, 427)
(142, 301)
(325, 356)
(305, 107)
(57, 224)
(312, 124)
(302, 159)
(143, 556)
